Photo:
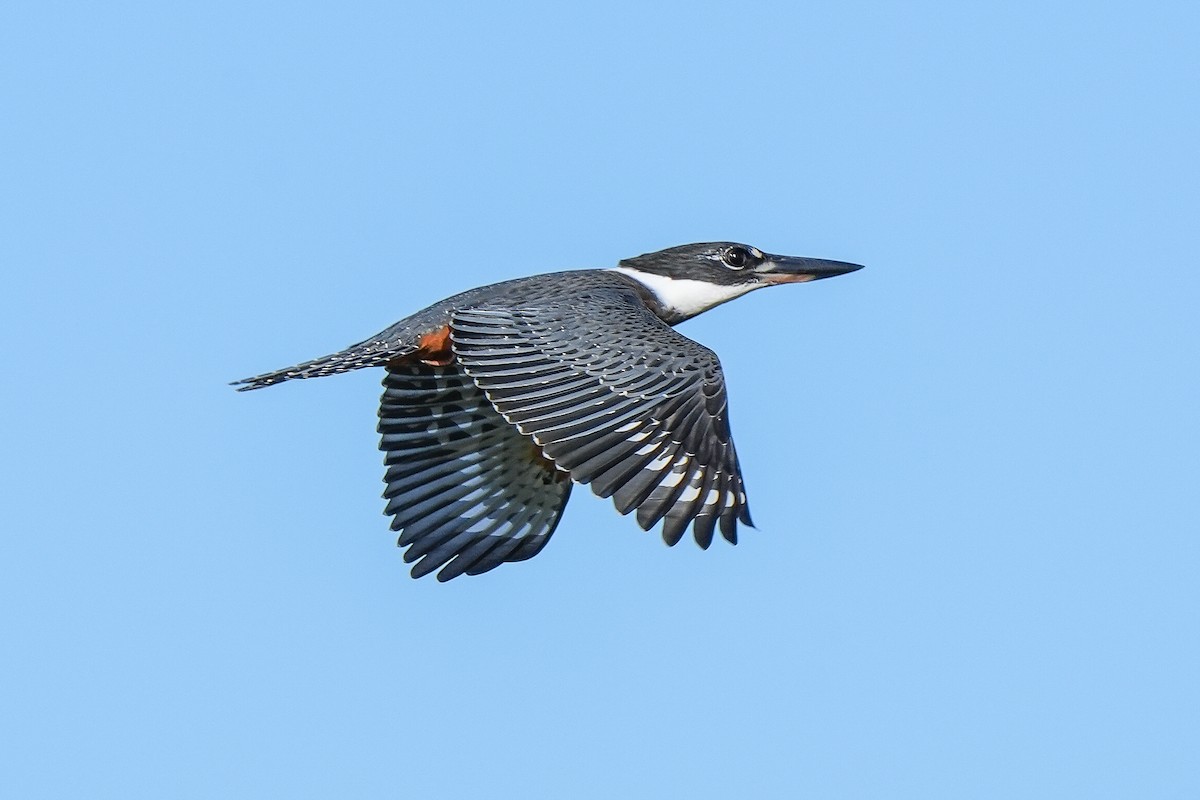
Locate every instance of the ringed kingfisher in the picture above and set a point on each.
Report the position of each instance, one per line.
(497, 400)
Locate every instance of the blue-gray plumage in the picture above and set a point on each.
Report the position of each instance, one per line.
(496, 400)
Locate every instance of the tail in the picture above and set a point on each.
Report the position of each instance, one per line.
(365, 354)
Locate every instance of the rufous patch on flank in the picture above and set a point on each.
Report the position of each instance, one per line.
(433, 348)
(538, 456)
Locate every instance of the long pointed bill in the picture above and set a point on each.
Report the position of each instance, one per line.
(793, 269)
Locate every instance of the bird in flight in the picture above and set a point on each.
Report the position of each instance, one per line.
(497, 400)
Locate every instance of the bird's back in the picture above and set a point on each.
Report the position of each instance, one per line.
(405, 337)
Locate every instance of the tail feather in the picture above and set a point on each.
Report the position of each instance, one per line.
(366, 354)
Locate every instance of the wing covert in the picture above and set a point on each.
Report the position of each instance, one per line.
(617, 398)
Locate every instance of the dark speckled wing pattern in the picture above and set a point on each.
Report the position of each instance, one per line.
(465, 488)
(619, 399)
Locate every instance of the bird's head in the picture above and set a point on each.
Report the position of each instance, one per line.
(692, 278)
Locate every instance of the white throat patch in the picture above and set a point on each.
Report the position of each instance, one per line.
(685, 297)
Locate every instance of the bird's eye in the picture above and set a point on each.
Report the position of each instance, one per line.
(736, 257)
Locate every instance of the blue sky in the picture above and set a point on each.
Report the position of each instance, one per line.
(973, 464)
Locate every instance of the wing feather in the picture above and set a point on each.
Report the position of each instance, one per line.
(466, 490)
(618, 399)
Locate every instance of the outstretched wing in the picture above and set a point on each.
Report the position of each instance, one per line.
(619, 399)
(466, 489)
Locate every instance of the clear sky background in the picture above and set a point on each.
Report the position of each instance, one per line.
(973, 464)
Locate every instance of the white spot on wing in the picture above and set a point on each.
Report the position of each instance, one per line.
(657, 464)
(672, 480)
